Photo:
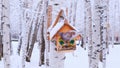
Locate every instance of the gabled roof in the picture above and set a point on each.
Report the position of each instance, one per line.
(58, 23)
(55, 21)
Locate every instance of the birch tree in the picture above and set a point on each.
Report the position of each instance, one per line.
(33, 34)
(88, 28)
(1, 44)
(99, 32)
(72, 11)
(56, 59)
(6, 33)
(21, 20)
(26, 18)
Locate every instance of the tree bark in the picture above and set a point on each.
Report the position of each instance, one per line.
(35, 31)
(88, 28)
(6, 33)
(26, 5)
(99, 32)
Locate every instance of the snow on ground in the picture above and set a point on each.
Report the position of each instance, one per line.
(76, 59)
(113, 59)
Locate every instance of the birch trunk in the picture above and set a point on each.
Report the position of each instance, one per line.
(88, 28)
(103, 23)
(72, 12)
(35, 31)
(99, 32)
(6, 33)
(47, 45)
(56, 59)
(1, 31)
(25, 28)
(20, 23)
(42, 45)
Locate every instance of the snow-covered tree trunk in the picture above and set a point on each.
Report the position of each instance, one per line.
(103, 29)
(112, 20)
(26, 5)
(6, 33)
(1, 44)
(117, 21)
(88, 28)
(20, 23)
(72, 11)
(56, 59)
(44, 21)
(42, 45)
(99, 33)
(34, 33)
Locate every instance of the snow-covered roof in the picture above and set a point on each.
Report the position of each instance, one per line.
(50, 28)
(56, 29)
(73, 27)
(56, 26)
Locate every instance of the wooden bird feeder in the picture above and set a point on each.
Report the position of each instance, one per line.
(63, 33)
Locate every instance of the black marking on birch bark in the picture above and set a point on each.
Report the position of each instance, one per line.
(8, 25)
(93, 58)
(56, 4)
(4, 17)
(94, 30)
(98, 50)
(4, 6)
(93, 25)
(98, 45)
(104, 58)
(87, 0)
(63, 58)
(47, 62)
(101, 11)
(7, 42)
(95, 53)
(56, 57)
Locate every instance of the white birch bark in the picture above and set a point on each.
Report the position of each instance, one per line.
(74, 8)
(42, 45)
(96, 41)
(47, 44)
(25, 27)
(20, 24)
(0, 14)
(112, 20)
(1, 44)
(56, 59)
(88, 28)
(35, 28)
(103, 23)
(99, 32)
(6, 33)
(70, 12)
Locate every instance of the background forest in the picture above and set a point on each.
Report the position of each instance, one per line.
(27, 29)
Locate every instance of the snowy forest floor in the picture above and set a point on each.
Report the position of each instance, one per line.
(76, 59)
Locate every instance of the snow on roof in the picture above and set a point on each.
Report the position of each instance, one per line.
(73, 27)
(50, 28)
(56, 28)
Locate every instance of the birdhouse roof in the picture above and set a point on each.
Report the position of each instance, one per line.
(58, 24)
